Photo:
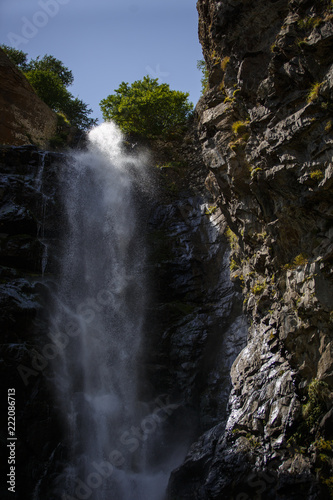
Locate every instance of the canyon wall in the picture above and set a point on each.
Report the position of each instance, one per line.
(238, 224)
(265, 126)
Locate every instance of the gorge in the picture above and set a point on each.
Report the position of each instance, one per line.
(224, 286)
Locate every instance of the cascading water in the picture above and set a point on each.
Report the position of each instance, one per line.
(100, 309)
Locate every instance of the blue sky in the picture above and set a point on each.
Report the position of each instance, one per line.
(105, 42)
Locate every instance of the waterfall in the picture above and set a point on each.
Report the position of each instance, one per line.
(97, 323)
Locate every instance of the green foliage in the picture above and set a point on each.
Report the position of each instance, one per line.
(314, 92)
(319, 396)
(240, 127)
(18, 57)
(50, 79)
(177, 166)
(211, 210)
(328, 126)
(319, 400)
(148, 109)
(258, 288)
(309, 23)
(323, 446)
(202, 66)
(317, 175)
(300, 260)
(49, 88)
(225, 61)
(232, 238)
(241, 132)
(53, 65)
(233, 265)
(254, 442)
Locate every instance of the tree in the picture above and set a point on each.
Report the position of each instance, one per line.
(202, 66)
(50, 63)
(50, 79)
(49, 88)
(18, 57)
(147, 108)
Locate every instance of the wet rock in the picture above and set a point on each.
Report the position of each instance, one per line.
(266, 135)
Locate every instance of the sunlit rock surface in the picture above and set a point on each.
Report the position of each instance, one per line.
(265, 125)
(24, 117)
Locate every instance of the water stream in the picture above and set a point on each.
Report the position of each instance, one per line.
(100, 305)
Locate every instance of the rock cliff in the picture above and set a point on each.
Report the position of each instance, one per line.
(24, 117)
(29, 243)
(265, 126)
(239, 331)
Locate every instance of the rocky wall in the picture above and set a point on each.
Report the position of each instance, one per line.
(29, 244)
(265, 126)
(24, 117)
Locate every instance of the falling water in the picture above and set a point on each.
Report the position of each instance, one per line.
(97, 323)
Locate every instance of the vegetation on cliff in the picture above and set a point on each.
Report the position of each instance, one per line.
(50, 79)
(148, 108)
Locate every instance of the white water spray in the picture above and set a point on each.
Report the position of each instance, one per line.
(100, 307)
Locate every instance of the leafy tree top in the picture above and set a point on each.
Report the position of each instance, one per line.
(50, 63)
(18, 57)
(50, 78)
(147, 108)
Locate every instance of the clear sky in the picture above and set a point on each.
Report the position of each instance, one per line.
(105, 42)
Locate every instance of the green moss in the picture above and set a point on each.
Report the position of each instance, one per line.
(299, 260)
(317, 175)
(323, 446)
(224, 62)
(319, 395)
(233, 265)
(254, 171)
(211, 210)
(253, 441)
(258, 288)
(328, 126)
(314, 92)
(232, 238)
(175, 165)
(301, 42)
(309, 23)
(239, 128)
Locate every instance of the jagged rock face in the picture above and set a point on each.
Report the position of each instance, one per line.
(24, 117)
(30, 221)
(196, 327)
(265, 125)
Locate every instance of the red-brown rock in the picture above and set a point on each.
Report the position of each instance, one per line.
(24, 117)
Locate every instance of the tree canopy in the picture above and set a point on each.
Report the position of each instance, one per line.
(147, 108)
(50, 78)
